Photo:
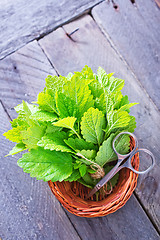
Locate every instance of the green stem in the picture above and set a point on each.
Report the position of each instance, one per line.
(76, 133)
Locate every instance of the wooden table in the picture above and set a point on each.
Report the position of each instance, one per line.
(122, 37)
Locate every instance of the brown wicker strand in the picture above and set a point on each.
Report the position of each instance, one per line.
(72, 195)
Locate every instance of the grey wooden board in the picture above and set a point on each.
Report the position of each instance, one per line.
(22, 76)
(28, 209)
(22, 21)
(116, 226)
(91, 47)
(134, 30)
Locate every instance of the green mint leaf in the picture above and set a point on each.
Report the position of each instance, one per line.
(55, 141)
(18, 148)
(83, 170)
(89, 154)
(87, 73)
(32, 135)
(54, 83)
(46, 102)
(96, 89)
(14, 134)
(66, 106)
(117, 119)
(101, 103)
(131, 125)
(121, 101)
(106, 153)
(46, 165)
(126, 107)
(74, 176)
(51, 128)
(43, 116)
(67, 123)
(103, 77)
(69, 76)
(116, 85)
(79, 92)
(26, 108)
(92, 125)
(79, 144)
(108, 81)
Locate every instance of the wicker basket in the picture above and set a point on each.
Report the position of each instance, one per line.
(72, 195)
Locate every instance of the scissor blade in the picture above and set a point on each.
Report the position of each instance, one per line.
(93, 191)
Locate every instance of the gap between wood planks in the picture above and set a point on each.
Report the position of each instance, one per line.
(150, 218)
(108, 38)
(36, 33)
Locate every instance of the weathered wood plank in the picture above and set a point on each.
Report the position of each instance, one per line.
(92, 48)
(134, 29)
(22, 76)
(23, 21)
(28, 210)
(116, 226)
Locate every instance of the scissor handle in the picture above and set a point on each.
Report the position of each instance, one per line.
(121, 156)
(129, 165)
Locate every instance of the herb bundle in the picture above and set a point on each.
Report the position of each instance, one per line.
(69, 132)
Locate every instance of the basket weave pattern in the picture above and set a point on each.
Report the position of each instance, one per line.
(72, 195)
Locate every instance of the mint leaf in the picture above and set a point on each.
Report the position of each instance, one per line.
(87, 73)
(83, 170)
(123, 100)
(126, 107)
(67, 123)
(55, 83)
(51, 128)
(79, 92)
(43, 116)
(46, 102)
(103, 77)
(66, 106)
(92, 125)
(79, 144)
(96, 89)
(131, 125)
(106, 153)
(14, 134)
(69, 76)
(89, 154)
(26, 108)
(108, 81)
(101, 103)
(32, 135)
(74, 176)
(117, 119)
(54, 141)
(46, 165)
(18, 148)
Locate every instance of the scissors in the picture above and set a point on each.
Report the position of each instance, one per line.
(124, 161)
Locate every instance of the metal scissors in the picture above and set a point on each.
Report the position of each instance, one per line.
(124, 161)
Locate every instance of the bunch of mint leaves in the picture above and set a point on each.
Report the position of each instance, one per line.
(70, 129)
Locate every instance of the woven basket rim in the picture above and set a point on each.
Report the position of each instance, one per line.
(87, 208)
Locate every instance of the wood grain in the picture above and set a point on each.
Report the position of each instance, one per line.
(128, 223)
(22, 76)
(134, 30)
(23, 21)
(28, 210)
(91, 47)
